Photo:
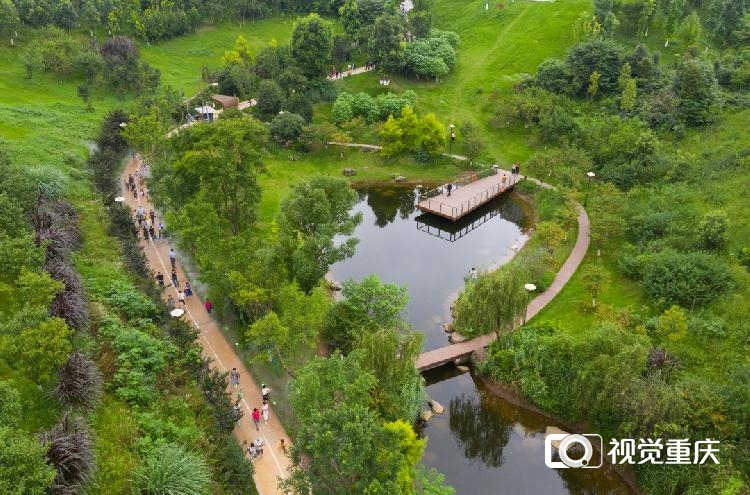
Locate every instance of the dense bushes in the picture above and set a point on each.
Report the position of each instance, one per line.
(687, 279)
(347, 106)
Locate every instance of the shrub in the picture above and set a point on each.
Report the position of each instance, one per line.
(172, 469)
(684, 279)
(343, 108)
(364, 106)
(286, 127)
(70, 450)
(23, 470)
(125, 298)
(235, 472)
(79, 382)
(713, 230)
(70, 304)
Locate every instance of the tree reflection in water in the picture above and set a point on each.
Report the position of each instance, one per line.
(480, 431)
(386, 202)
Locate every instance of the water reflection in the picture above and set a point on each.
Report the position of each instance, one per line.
(392, 247)
(443, 228)
(478, 431)
(486, 445)
(386, 203)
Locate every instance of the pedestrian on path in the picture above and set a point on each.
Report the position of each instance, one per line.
(208, 305)
(161, 230)
(265, 411)
(449, 187)
(256, 418)
(505, 180)
(172, 258)
(170, 302)
(259, 445)
(175, 282)
(152, 214)
(264, 392)
(188, 289)
(252, 452)
(181, 299)
(160, 279)
(151, 231)
(234, 377)
(282, 445)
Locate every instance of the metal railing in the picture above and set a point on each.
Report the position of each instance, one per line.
(460, 182)
(455, 211)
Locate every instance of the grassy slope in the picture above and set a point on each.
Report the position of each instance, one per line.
(497, 47)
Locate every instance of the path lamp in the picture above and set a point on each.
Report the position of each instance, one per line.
(529, 289)
(590, 175)
(452, 138)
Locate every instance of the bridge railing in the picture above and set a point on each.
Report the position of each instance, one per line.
(432, 193)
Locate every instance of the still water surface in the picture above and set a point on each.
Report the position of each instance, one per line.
(483, 444)
(430, 255)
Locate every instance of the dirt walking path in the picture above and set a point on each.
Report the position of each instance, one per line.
(274, 463)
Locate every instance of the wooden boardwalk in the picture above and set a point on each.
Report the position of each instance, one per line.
(450, 353)
(468, 194)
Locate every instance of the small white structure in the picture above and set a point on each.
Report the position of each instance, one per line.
(206, 112)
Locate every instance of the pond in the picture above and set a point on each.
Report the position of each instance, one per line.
(428, 254)
(483, 443)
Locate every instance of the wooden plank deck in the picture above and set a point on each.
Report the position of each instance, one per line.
(443, 355)
(468, 197)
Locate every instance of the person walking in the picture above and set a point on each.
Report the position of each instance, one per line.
(265, 411)
(188, 289)
(152, 214)
(161, 230)
(504, 180)
(234, 378)
(172, 258)
(170, 303)
(181, 299)
(256, 418)
(160, 279)
(264, 392)
(208, 305)
(259, 445)
(252, 452)
(449, 187)
(151, 231)
(175, 282)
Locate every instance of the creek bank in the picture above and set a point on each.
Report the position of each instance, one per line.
(509, 394)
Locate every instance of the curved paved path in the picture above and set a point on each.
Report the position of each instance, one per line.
(215, 345)
(442, 355)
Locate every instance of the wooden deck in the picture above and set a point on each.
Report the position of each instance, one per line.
(467, 195)
(450, 353)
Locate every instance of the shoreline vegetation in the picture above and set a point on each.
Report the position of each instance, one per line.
(640, 114)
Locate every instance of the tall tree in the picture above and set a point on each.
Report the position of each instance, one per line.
(384, 46)
(9, 19)
(312, 46)
(221, 163)
(311, 217)
(697, 91)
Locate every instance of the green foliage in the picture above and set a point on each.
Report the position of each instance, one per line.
(23, 468)
(292, 333)
(315, 212)
(218, 164)
(124, 297)
(696, 88)
(433, 56)
(495, 302)
(312, 45)
(170, 469)
(270, 97)
(367, 306)
(38, 349)
(713, 230)
(601, 56)
(685, 279)
(390, 356)
(287, 127)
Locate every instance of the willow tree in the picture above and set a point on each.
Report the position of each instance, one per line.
(495, 302)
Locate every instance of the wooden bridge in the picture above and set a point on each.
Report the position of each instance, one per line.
(468, 193)
(451, 353)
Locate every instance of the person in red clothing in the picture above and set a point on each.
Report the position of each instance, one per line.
(256, 418)
(208, 305)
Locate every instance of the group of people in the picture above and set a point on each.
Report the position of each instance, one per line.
(337, 74)
(148, 225)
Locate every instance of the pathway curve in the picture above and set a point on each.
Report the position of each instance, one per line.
(274, 462)
(450, 352)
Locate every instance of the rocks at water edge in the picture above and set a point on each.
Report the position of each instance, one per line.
(436, 407)
(426, 415)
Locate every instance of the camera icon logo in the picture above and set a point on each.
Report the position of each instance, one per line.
(592, 450)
